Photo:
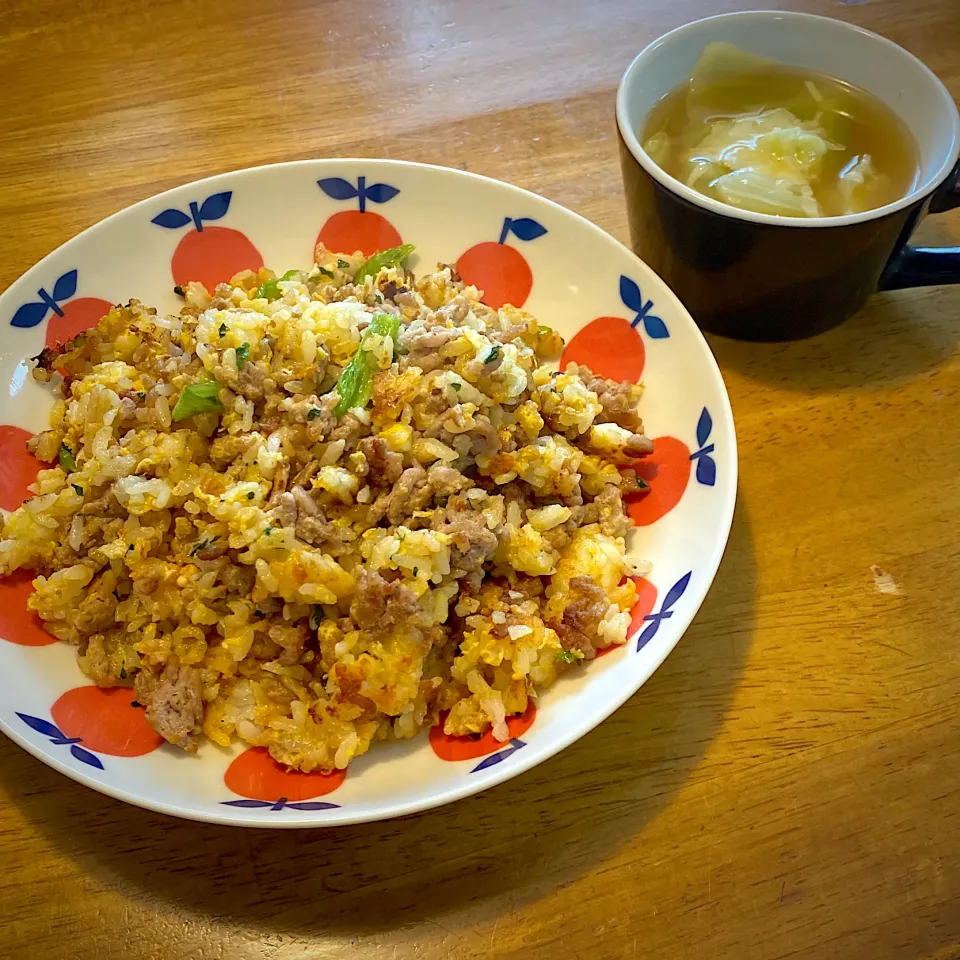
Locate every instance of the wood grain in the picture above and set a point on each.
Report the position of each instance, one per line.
(788, 784)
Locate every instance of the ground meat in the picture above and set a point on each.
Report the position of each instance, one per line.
(455, 311)
(380, 605)
(411, 493)
(106, 505)
(285, 512)
(427, 340)
(423, 347)
(96, 664)
(348, 428)
(96, 610)
(291, 638)
(638, 446)
(306, 505)
(174, 703)
(446, 481)
(250, 381)
(511, 333)
(473, 543)
(609, 503)
(385, 465)
(618, 400)
(315, 531)
(577, 629)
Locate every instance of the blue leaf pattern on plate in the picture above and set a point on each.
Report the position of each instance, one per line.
(86, 757)
(666, 611)
(215, 206)
(633, 300)
(65, 287)
(381, 192)
(495, 758)
(172, 219)
(656, 329)
(29, 315)
(41, 726)
(337, 188)
(704, 427)
(706, 471)
(526, 228)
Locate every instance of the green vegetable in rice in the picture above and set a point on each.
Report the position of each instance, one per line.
(67, 460)
(343, 264)
(568, 656)
(355, 385)
(202, 397)
(77, 489)
(243, 351)
(385, 258)
(270, 289)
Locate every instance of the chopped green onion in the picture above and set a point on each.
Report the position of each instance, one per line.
(343, 264)
(313, 413)
(326, 272)
(355, 385)
(270, 290)
(77, 488)
(456, 386)
(492, 355)
(243, 351)
(123, 673)
(386, 258)
(316, 616)
(416, 570)
(568, 656)
(223, 329)
(67, 460)
(202, 545)
(268, 531)
(202, 397)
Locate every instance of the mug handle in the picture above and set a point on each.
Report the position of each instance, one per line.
(926, 266)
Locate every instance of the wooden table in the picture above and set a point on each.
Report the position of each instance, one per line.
(788, 784)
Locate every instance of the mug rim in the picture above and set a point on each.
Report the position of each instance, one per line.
(735, 213)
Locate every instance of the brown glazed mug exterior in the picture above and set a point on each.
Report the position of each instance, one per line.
(760, 277)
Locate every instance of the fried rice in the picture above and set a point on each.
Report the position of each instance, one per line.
(265, 560)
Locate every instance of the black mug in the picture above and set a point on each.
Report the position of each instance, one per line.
(762, 277)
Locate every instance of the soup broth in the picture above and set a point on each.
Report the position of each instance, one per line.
(781, 140)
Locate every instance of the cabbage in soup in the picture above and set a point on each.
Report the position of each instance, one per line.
(781, 140)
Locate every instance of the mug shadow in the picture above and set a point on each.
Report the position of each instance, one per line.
(574, 812)
(897, 337)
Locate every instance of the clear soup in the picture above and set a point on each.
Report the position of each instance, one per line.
(780, 140)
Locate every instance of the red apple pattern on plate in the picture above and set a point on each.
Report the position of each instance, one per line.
(69, 315)
(18, 467)
(19, 624)
(210, 255)
(612, 346)
(667, 473)
(448, 747)
(501, 272)
(362, 229)
(264, 783)
(104, 720)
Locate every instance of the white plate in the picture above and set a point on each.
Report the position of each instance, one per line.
(578, 273)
